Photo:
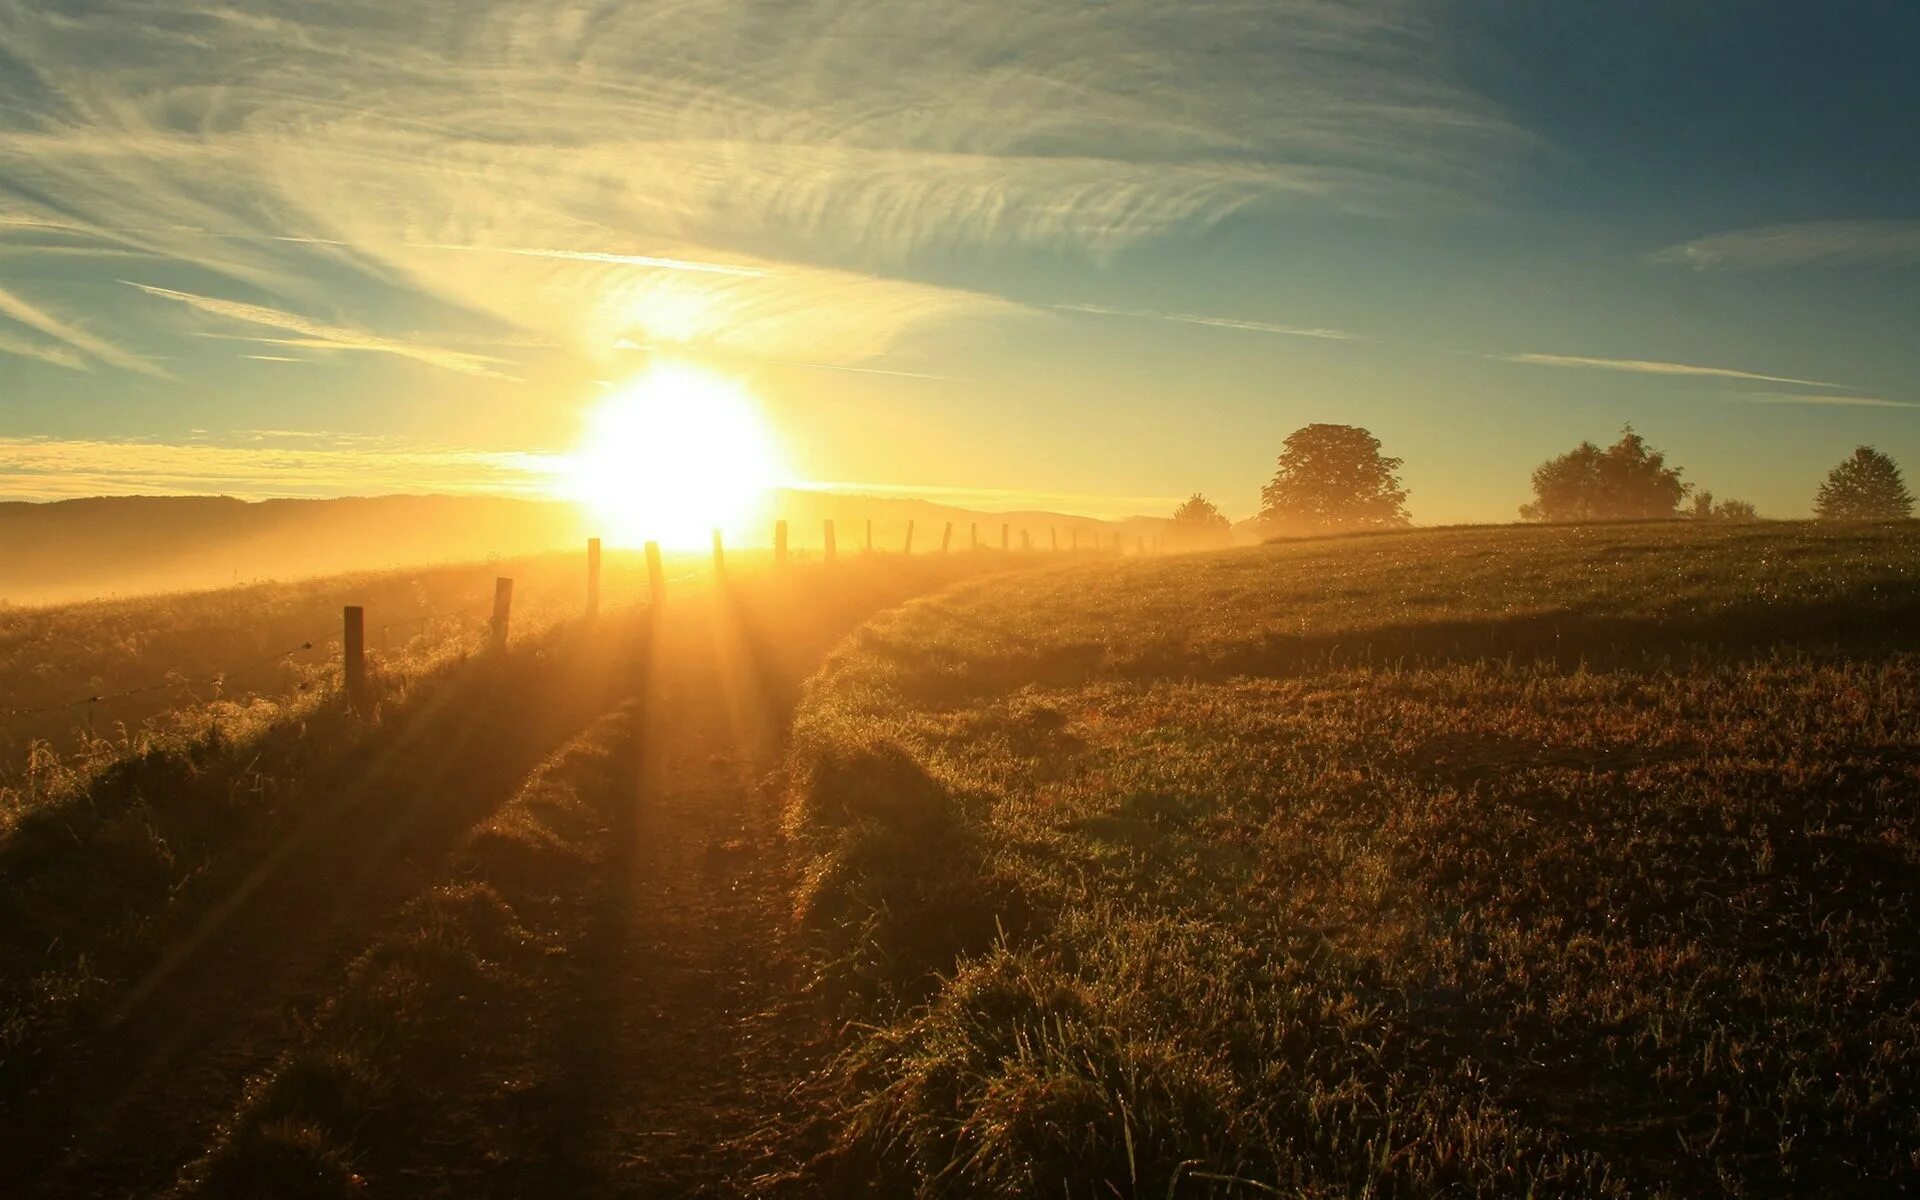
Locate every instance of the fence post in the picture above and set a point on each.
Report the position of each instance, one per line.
(656, 578)
(1053, 535)
(946, 537)
(869, 535)
(719, 554)
(593, 577)
(909, 549)
(831, 548)
(354, 643)
(973, 535)
(1026, 540)
(779, 543)
(502, 611)
(1075, 543)
(1003, 537)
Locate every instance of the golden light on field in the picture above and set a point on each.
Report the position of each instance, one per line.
(672, 455)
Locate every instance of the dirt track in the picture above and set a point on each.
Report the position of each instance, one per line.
(691, 1032)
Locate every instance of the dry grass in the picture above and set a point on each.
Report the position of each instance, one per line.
(1500, 862)
(233, 657)
(443, 1032)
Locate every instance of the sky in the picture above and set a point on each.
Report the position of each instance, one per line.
(1090, 254)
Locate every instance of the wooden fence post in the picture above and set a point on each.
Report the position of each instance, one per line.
(779, 543)
(656, 578)
(1053, 535)
(831, 548)
(502, 611)
(909, 548)
(869, 535)
(946, 537)
(593, 577)
(973, 535)
(354, 643)
(1026, 540)
(1003, 537)
(719, 554)
(1075, 543)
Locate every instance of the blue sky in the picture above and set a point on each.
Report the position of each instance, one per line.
(1096, 255)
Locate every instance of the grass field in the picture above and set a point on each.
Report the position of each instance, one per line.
(1481, 862)
(178, 909)
(161, 663)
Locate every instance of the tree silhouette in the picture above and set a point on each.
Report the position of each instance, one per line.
(1333, 477)
(1198, 523)
(1704, 508)
(1864, 487)
(1629, 480)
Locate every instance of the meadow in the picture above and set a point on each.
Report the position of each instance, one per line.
(1499, 862)
(90, 682)
(179, 907)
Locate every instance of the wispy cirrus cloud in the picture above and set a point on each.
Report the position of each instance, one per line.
(1802, 244)
(1647, 367)
(655, 261)
(77, 339)
(1823, 401)
(792, 167)
(318, 335)
(54, 468)
(1211, 321)
(58, 356)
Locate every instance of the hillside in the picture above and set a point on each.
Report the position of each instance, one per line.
(122, 545)
(1484, 862)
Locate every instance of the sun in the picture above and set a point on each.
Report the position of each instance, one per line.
(674, 454)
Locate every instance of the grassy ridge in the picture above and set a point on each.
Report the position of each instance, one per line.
(1564, 861)
(443, 1031)
(233, 656)
(148, 856)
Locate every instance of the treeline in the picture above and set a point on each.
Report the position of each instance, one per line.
(1335, 478)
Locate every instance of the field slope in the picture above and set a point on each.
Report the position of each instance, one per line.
(1483, 862)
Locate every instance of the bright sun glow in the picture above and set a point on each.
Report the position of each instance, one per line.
(672, 455)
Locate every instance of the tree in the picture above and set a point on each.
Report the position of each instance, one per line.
(1704, 508)
(1865, 487)
(1333, 477)
(1198, 523)
(1629, 480)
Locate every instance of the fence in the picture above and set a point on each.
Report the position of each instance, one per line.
(354, 643)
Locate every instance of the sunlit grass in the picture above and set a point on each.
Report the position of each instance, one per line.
(1495, 862)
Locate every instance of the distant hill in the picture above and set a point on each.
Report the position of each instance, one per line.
(108, 545)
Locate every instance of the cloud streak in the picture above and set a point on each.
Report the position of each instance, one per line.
(1646, 367)
(1339, 335)
(1828, 401)
(317, 335)
(771, 179)
(1803, 244)
(51, 469)
(34, 317)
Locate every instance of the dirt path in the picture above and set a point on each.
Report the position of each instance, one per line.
(678, 1062)
(707, 1030)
